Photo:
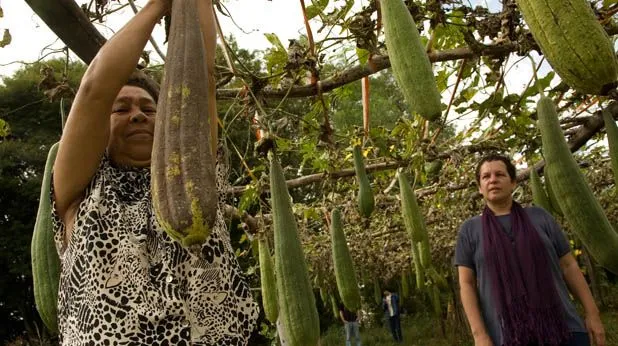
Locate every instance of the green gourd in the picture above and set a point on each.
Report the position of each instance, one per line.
(579, 205)
(612, 141)
(573, 42)
(344, 266)
(409, 60)
(539, 197)
(267, 281)
(366, 202)
(297, 310)
(45, 260)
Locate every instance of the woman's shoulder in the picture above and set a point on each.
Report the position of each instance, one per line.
(470, 230)
(471, 223)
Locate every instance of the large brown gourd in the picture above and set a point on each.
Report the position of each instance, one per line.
(184, 187)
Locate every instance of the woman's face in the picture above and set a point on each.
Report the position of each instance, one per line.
(132, 127)
(495, 184)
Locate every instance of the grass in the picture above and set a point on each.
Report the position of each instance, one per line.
(423, 331)
(610, 322)
(416, 330)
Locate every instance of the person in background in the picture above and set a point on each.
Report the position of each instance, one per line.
(390, 304)
(350, 322)
(515, 265)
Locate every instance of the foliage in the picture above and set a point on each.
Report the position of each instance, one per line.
(490, 94)
(35, 126)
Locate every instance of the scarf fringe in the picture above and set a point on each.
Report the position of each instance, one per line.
(538, 326)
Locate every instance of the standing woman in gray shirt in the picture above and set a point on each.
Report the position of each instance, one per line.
(516, 270)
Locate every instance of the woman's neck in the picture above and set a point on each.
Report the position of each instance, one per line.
(501, 207)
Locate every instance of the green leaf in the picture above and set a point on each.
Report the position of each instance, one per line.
(468, 93)
(442, 79)
(4, 128)
(608, 3)
(248, 198)
(275, 41)
(316, 8)
(6, 38)
(363, 55)
(277, 56)
(541, 84)
(447, 36)
(311, 214)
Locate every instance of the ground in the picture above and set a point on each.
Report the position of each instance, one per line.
(423, 331)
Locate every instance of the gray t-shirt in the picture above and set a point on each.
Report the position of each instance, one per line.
(469, 253)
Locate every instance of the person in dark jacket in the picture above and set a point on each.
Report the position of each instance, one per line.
(390, 305)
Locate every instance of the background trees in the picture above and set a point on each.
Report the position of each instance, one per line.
(483, 62)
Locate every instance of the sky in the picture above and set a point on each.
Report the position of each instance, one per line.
(253, 18)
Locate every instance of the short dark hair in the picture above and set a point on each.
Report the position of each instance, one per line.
(138, 80)
(510, 167)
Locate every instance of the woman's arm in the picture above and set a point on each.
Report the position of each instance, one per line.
(86, 133)
(579, 288)
(470, 302)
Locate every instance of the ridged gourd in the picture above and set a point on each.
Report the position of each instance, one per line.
(184, 189)
(345, 274)
(579, 205)
(45, 260)
(409, 61)
(268, 281)
(539, 195)
(573, 42)
(366, 202)
(297, 310)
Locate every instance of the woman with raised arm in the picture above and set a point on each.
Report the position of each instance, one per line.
(123, 279)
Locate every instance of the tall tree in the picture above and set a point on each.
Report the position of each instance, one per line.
(33, 114)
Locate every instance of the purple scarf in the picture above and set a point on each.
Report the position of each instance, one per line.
(523, 288)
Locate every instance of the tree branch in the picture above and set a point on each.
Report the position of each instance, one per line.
(591, 127)
(379, 63)
(72, 26)
(67, 20)
(382, 166)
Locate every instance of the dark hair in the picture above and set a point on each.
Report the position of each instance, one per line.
(138, 80)
(510, 167)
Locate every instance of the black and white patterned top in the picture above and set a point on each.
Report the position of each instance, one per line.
(124, 281)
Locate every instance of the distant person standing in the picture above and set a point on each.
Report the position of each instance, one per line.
(390, 304)
(350, 322)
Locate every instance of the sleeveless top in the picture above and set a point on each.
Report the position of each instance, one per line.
(124, 281)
